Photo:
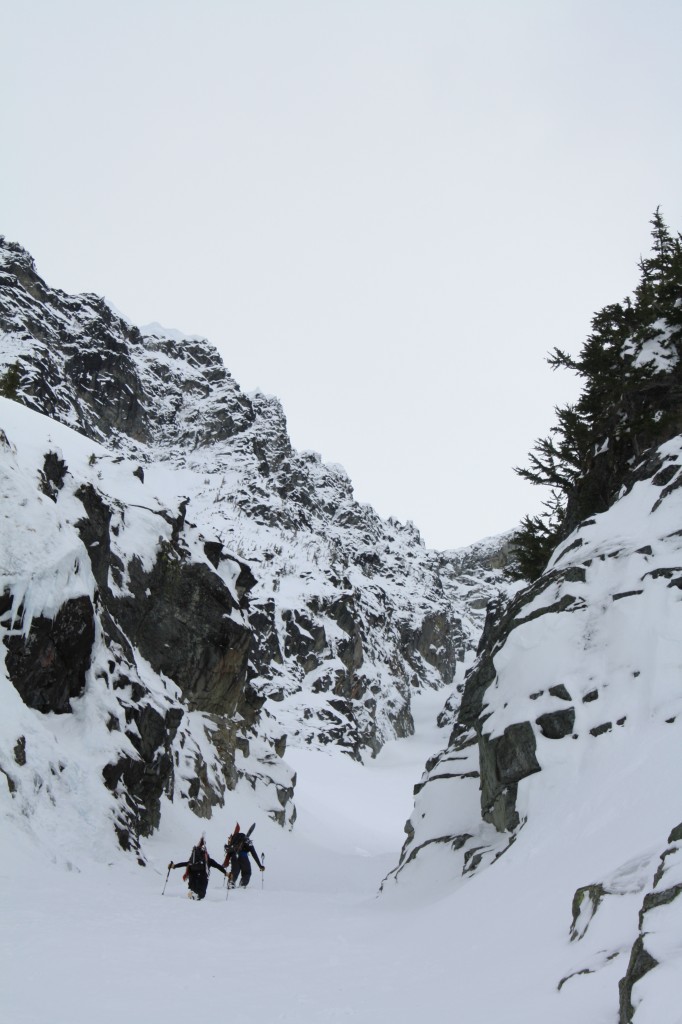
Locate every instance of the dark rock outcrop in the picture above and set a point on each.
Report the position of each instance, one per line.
(179, 616)
(504, 761)
(557, 724)
(48, 664)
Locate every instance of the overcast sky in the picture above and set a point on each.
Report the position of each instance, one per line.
(384, 212)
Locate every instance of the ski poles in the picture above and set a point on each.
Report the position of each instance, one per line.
(166, 882)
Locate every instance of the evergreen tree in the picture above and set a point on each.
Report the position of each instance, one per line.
(9, 382)
(630, 365)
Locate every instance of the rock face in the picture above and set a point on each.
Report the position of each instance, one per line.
(564, 749)
(230, 576)
(113, 614)
(656, 945)
(49, 664)
(535, 686)
(568, 727)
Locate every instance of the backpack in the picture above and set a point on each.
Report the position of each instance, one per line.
(198, 860)
(239, 843)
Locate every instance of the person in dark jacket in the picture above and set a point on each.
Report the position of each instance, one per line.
(237, 851)
(198, 868)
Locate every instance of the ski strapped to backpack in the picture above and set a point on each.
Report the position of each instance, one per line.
(238, 830)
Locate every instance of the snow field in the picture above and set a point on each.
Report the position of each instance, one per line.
(315, 944)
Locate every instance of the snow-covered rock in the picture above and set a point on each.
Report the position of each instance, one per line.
(232, 596)
(657, 947)
(570, 723)
(125, 648)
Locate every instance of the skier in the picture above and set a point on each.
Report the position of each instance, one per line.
(198, 869)
(237, 850)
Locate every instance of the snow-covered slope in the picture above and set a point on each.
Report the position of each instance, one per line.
(102, 717)
(567, 757)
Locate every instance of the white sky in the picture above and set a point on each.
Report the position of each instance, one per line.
(384, 212)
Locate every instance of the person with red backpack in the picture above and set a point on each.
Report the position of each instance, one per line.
(198, 869)
(237, 850)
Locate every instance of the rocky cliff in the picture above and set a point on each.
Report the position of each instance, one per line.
(230, 594)
(564, 749)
